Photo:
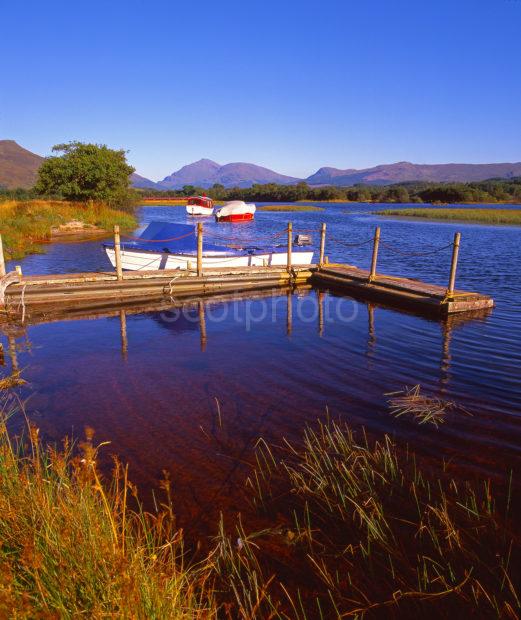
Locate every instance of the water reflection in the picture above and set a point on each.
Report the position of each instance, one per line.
(191, 315)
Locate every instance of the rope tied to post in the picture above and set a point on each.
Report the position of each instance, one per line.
(405, 253)
(351, 245)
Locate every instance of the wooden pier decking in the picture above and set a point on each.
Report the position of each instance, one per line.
(401, 292)
(37, 295)
(28, 296)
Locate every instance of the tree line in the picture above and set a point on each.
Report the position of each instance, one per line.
(94, 173)
(490, 191)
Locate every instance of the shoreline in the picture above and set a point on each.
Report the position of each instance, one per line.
(499, 217)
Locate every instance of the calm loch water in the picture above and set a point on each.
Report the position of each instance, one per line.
(150, 381)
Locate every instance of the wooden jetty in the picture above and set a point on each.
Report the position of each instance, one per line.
(26, 296)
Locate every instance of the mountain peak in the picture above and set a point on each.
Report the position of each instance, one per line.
(18, 166)
(205, 173)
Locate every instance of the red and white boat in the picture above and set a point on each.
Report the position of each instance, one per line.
(236, 211)
(199, 205)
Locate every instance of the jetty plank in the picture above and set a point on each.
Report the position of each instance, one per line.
(28, 295)
(405, 292)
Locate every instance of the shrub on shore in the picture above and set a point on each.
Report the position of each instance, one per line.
(25, 224)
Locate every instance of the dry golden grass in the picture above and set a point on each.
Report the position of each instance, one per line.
(482, 216)
(26, 224)
(353, 528)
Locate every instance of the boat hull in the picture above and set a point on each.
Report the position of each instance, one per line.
(139, 260)
(235, 217)
(198, 210)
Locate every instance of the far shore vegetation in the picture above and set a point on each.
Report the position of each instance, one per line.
(294, 207)
(493, 191)
(484, 216)
(349, 527)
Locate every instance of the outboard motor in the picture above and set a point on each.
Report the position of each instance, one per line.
(303, 240)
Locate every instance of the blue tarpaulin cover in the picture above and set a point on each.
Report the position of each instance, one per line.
(173, 238)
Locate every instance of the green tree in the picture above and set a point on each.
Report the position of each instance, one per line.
(86, 172)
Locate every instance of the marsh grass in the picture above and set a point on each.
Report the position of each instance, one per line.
(289, 208)
(353, 528)
(71, 546)
(27, 224)
(424, 409)
(485, 216)
(374, 533)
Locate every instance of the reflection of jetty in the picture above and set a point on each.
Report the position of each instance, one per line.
(29, 296)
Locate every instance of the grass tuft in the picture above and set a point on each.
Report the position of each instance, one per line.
(485, 216)
(423, 409)
(26, 224)
(289, 208)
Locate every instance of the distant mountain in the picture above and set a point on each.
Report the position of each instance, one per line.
(140, 182)
(18, 166)
(400, 172)
(199, 173)
(205, 172)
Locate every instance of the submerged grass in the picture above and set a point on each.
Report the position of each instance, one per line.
(485, 216)
(373, 533)
(290, 208)
(421, 407)
(352, 527)
(26, 224)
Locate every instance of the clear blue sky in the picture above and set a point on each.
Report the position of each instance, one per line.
(289, 85)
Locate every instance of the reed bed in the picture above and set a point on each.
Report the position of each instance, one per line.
(376, 536)
(289, 208)
(424, 409)
(485, 216)
(27, 224)
(353, 529)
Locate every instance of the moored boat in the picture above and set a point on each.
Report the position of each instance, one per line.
(199, 205)
(164, 245)
(236, 211)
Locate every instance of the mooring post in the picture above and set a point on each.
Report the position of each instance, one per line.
(123, 333)
(2, 260)
(199, 249)
(454, 264)
(290, 243)
(322, 245)
(376, 243)
(117, 252)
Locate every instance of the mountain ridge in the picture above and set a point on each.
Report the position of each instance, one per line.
(19, 167)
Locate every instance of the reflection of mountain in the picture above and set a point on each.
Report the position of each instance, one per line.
(175, 319)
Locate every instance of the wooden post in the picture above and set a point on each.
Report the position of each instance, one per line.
(454, 264)
(117, 252)
(123, 333)
(199, 249)
(372, 275)
(290, 243)
(322, 245)
(2, 260)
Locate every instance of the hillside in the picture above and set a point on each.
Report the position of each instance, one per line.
(205, 172)
(401, 172)
(18, 166)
